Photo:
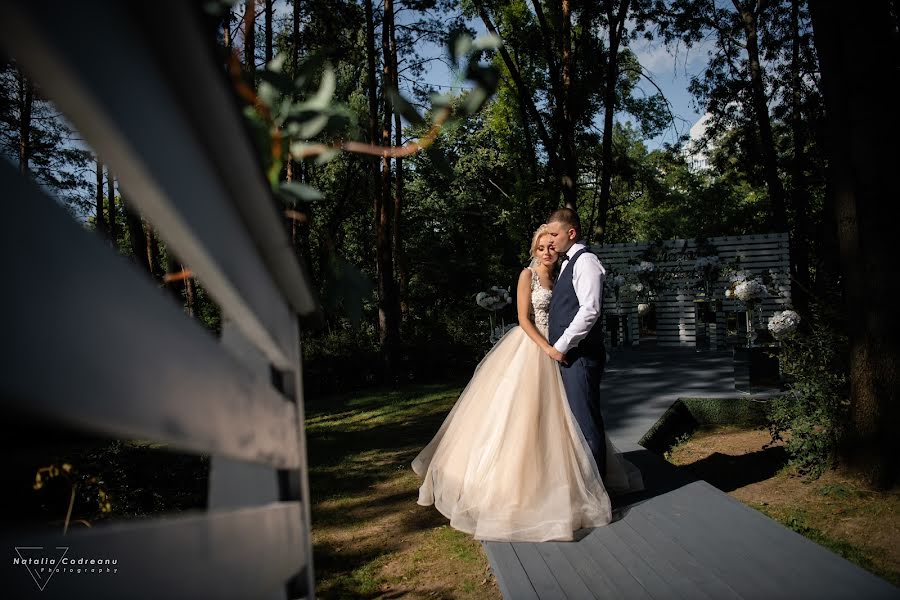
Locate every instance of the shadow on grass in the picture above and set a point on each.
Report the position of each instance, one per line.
(728, 472)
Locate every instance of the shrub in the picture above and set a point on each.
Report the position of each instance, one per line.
(815, 407)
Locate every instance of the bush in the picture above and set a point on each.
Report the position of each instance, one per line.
(815, 408)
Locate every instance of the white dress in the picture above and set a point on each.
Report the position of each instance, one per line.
(509, 462)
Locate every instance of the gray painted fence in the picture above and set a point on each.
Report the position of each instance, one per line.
(90, 344)
(675, 306)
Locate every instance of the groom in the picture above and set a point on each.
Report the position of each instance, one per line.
(575, 331)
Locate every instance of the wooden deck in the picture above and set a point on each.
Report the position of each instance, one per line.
(680, 538)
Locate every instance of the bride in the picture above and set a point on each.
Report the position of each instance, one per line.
(509, 462)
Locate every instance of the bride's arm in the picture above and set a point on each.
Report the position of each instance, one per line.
(523, 306)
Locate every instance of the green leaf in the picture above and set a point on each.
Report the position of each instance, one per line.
(312, 127)
(300, 192)
(403, 108)
(440, 100)
(276, 65)
(475, 99)
(488, 41)
(458, 44)
(323, 97)
(329, 154)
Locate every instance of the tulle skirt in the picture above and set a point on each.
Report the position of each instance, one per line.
(510, 463)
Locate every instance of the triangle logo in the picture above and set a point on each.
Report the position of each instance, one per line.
(41, 564)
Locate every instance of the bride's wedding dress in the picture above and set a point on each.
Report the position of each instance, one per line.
(509, 462)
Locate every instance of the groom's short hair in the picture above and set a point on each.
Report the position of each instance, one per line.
(567, 217)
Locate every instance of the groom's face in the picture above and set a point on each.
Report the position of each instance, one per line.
(561, 236)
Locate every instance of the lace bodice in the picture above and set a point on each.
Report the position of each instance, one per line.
(540, 304)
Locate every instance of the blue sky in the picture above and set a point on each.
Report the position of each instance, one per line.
(670, 68)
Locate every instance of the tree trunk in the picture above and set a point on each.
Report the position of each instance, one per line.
(800, 232)
(569, 179)
(111, 209)
(387, 297)
(101, 220)
(858, 60)
(153, 253)
(777, 212)
(250, 41)
(136, 236)
(550, 146)
(616, 22)
(268, 22)
(399, 257)
(26, 107)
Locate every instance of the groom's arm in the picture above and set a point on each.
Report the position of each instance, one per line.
(587, 278)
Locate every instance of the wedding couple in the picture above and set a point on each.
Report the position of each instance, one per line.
(523, 454)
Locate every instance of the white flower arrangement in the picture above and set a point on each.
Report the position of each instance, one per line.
(637, 287)
(643, 309)
(706, 263)
(783, 323)
(736, 277)
(750, 290)
(645, 266)
(494, 299)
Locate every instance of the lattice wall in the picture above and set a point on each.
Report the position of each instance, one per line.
(675, 314)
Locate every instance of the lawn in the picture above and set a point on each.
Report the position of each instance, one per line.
(371, 539)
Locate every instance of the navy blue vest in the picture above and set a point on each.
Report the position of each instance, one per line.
(563, 307)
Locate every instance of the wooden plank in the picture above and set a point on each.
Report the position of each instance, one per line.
(167, 380)
(638, 567)
(165, 171)
(244, 553)
(569, 579)
(512, 579)
(589, 571)
(542, 578)
(802, 565)
(660, 562)
(622, 580)
(221, 131)
(666, 540)
(709, 544)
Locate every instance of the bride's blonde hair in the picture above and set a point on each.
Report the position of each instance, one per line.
(538, 234)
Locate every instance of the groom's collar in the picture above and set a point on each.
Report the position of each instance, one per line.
(573, 249)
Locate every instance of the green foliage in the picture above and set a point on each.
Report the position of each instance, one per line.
(815, 410)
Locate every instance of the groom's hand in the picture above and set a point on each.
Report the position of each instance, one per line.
(556, 355)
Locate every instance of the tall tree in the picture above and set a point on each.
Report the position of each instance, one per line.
(859, 60)
(136, 236)
(399, 258)
(111, 207)
(750, 12)
(388, 307)
(268, 26)
(616, 15)
(34, 137)
(250, 40)
(100, 219)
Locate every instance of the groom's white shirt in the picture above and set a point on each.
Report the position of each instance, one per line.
(587, 278)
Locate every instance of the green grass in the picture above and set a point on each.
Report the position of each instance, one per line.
(370, 537)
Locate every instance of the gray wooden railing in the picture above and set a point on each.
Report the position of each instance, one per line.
(91, 344)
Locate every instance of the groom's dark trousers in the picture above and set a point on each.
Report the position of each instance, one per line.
(584, 364)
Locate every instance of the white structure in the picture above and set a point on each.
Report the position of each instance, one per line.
(696, 156)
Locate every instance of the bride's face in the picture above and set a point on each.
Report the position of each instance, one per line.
(544, 251)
